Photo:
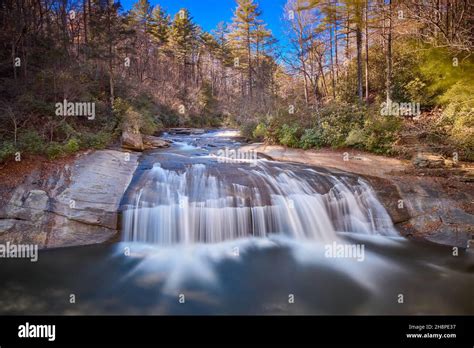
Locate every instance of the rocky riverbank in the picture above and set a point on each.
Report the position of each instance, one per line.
(73, 202)
(433, 204)
(69, 201)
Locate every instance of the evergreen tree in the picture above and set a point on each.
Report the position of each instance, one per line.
(183, 39)
(141, 14)
(159, 26)
(244, 28)
(108, 30)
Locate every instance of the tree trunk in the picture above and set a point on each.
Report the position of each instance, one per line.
(249, 58)
(367, 51)
(335, 43)
(359, 51)
(111, 63)
(333, 74)
(389, 55)
(13, 59)
(85, 20)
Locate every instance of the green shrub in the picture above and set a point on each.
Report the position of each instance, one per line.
(54, 150)
(168, 118)
(7, 150)
(247, 129)
(213, 121)
(333, 133)
(137, 115)
(381, 133)
(289, 135)
(311, 138)
(66, 131)
(95, 140)
(260, 131)
(337, 120)
(416, 91)
(71, 146)
(335, 125)
(458, 117)
(148, 124)
(31, 142)
(356, 138)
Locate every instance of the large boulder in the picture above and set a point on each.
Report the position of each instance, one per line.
(76, 205)
(132, 141)
(151, 142)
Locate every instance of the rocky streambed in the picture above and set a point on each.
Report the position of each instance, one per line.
(223, 270)
(77, 202)
(434, 204)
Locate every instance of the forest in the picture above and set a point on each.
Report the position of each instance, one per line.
(385, 76)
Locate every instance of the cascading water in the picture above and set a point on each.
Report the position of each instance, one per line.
(277, 222)
(211, 202)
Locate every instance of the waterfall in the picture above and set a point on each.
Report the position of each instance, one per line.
(204, 203)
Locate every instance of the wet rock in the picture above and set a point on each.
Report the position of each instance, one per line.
(22, 232)
(434, 214)
(428, 160)
(97, 183)
(465, 178)
(27, 205)
(80, 207)
(66, 232)
(151, 142)
(6, 224)
(186, 131)
(388, 194)
(446, 236)
(132, 141)
(264, 156)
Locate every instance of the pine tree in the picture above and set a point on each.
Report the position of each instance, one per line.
(108, 30)
(141, 14)
(244, 27)
(159, 26)
(183, 35)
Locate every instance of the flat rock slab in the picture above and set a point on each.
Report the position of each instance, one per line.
(186, 131)
(428, 160)
(77, 205)
(97, 184)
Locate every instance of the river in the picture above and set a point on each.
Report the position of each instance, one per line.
(209, 230)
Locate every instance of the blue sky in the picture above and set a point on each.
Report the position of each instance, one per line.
(207, 13)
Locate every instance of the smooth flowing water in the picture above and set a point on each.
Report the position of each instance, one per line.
(210, 202)
(203, 233)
